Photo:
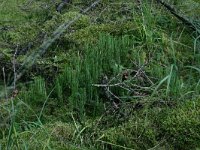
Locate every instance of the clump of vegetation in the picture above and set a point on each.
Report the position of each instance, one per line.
(125, 75)
(91, 33)
(49, 136)
(181, 126)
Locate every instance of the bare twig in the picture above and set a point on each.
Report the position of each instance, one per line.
(5, 85)
(14, 68)
(107, 85)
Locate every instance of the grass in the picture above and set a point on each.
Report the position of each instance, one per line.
(106, 83)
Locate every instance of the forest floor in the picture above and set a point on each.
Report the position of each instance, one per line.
(111, 76)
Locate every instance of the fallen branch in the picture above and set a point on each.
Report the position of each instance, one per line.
(30, 60)
(183, 19)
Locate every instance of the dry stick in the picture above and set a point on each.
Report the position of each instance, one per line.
(182, 18)
(30, 60)
(14, 68)
(5, 85)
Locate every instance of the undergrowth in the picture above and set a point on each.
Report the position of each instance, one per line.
(125, 76)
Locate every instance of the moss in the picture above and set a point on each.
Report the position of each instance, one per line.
(158, 40)
(91, 33)
(30, 31)
(10, 12)
(165, 128)
(23, 34)
(137, 133)
(59, 19)
(182, 125)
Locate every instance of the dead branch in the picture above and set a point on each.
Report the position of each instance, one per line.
(30, 60)
(183, 19)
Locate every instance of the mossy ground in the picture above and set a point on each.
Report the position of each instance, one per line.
(148, 60)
